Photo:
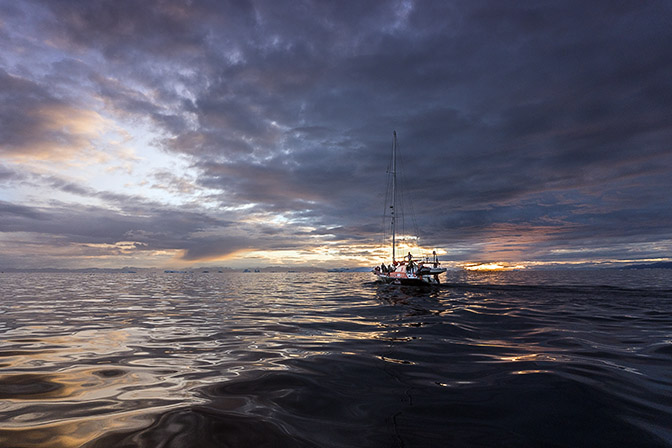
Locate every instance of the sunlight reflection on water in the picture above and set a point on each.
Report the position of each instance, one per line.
(332, 360)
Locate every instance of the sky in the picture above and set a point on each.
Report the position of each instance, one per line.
(253, 133)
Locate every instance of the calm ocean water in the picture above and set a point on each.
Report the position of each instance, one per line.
(513, 359)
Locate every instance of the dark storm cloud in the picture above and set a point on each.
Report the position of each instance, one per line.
(123, 28)
(550, 120)
(16, 212)
(214, 248)
(99, 231)
(155, 229)
(91, 224)
(23, 124)
(8, 175)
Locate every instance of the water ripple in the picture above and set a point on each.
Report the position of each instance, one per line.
(561, 359)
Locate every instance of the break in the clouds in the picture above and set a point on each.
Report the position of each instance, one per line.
(258, 132)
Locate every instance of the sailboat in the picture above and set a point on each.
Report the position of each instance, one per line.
(407, 271)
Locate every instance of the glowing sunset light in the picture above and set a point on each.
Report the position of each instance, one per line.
(492, 267)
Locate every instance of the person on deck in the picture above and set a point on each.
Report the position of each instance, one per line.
(411, 265)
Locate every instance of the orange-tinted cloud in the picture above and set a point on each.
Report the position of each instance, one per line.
(36, 125)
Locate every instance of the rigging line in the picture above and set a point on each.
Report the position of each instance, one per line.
(386, 204)
(404, 200)
(402, 196)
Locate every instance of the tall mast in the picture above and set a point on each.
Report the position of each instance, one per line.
(394, 194)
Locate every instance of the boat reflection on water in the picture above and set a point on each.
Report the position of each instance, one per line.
(410, 295)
